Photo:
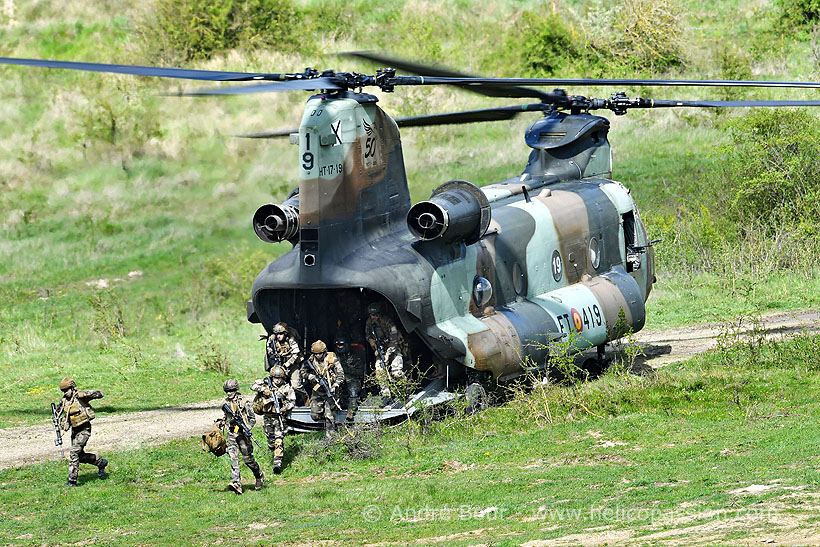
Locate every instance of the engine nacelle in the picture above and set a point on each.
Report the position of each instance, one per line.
(274, 223)
(458, 211)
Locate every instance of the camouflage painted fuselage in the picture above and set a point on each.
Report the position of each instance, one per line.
(559, 253)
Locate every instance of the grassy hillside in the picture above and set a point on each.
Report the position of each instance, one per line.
(126, 258)
(126, 253)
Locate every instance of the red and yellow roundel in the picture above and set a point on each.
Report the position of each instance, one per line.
(576, 320)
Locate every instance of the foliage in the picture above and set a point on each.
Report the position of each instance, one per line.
(227, 277)
(635, 34)
(198, 29)
(212, 357)
(772, 166)
(121, 120)
(108, 315)
(544, 42)
(798, 13)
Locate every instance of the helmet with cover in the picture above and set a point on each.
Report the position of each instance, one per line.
(278, 374)
(67, 383)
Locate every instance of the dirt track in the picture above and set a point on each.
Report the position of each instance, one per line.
(32, 444)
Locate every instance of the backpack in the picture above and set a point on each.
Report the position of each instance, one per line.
(214, 442)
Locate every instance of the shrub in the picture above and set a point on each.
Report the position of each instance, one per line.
(773, 163)
(635, 34)
(198, 29)
(801, 13)
(121, 119)
(545, 43)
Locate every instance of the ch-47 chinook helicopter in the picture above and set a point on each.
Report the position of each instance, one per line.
(479, 280)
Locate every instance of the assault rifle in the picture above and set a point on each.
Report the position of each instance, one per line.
(239, 422)
(323, 383)
(379, 347)
(276, 405)
(277, 357)
(59, 440)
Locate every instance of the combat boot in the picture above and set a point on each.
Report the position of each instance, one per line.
(330, 429)
(260, 481)
(236, 487)
(277, 467)
(71, 483)
(349, 417)
(101, 468)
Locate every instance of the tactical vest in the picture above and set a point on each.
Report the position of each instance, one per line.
(79, 412)
(325, 368)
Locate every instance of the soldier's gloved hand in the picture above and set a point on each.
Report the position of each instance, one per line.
(267, 392)
(316, 387)
(263, 336)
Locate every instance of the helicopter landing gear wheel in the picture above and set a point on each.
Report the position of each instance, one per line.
(476, 392)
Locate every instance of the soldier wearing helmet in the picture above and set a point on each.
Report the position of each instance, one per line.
(271, 393)
(75, 412)
(354, 369)
(238, 443)
(283, 350)
(388, 346)
(324, 365)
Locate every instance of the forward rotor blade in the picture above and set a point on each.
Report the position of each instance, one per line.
(269, 134)
(183, 73)
(311, 84)
(427, 70)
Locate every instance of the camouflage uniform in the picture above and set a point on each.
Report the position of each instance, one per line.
(331, 370)
(393, 346)
(290, 357)
(354, 369)
(238, 443)
(75, 412)
(273, 427)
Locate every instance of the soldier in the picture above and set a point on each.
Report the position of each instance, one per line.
(388, 345)
(323, 367)
(353, 367)
(76, 413)
(274, 421)
(238, 441)
(283, 350)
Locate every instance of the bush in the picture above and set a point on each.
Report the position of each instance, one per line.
(228, 278)
(772, 167)
(198, 29)
(801, 13)
(545, 43)
(635, 34)
(118, 120)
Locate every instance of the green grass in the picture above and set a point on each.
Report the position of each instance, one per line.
(639, 455)
(170, 194)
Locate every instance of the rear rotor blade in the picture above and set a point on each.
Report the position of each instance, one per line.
(467, 116)
(183, 73)
(731, 104)
(504, 83)
(427, 70)
(471, 116)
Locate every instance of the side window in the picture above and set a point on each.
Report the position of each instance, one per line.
(630, 240)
